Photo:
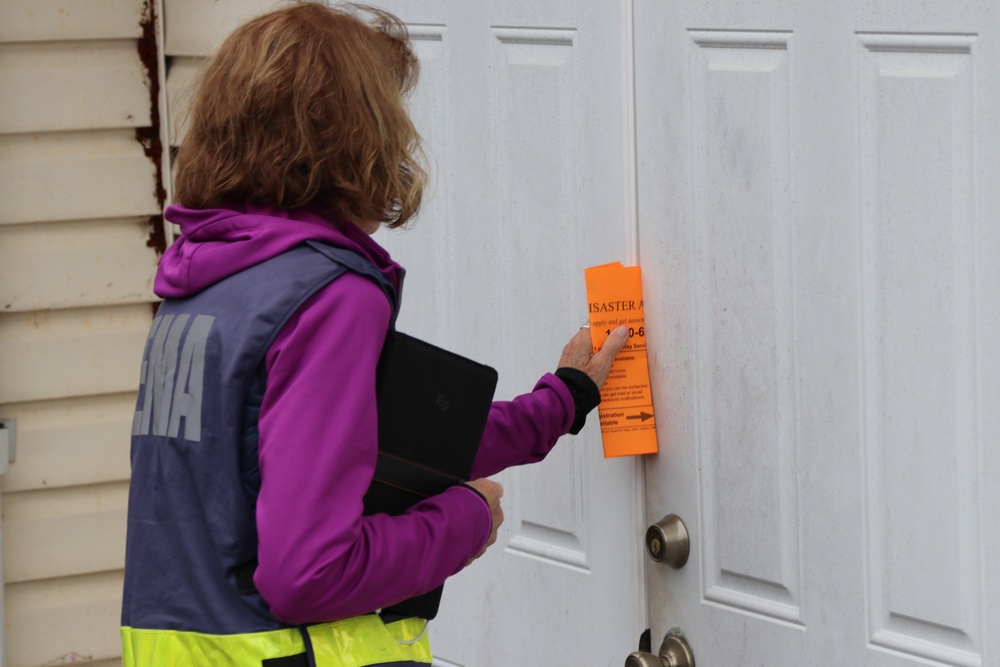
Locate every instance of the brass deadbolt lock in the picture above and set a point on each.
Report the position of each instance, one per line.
(667, 541)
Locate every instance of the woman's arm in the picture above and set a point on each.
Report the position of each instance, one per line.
(526, 429)
(320, 559)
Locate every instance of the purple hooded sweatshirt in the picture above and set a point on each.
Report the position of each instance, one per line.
(319, 558)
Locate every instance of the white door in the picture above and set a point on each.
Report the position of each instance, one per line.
(522, 107)
(818, 210)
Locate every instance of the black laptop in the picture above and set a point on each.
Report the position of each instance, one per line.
(432, 410)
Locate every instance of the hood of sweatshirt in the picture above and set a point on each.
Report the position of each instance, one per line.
(216, 243)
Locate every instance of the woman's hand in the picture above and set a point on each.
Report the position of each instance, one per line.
(579, 353)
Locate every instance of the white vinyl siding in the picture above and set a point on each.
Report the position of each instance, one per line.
(193, 30)
(77, 196)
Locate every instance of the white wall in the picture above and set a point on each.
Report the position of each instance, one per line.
(76, 199)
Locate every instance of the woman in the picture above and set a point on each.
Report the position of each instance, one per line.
(254, 437)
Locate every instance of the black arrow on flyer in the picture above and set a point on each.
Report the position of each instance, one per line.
(641, 416)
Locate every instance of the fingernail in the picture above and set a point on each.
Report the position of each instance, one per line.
(622, 331)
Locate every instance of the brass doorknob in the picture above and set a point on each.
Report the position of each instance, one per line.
(667, 541)
(642, 659)
(674, 652)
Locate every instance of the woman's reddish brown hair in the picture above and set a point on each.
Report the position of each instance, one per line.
(303, 107)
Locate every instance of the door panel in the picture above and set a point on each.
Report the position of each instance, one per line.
(919, 343)
(743, 279)
(521, 107)
(813, 222)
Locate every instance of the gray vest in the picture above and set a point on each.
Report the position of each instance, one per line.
(191, 545)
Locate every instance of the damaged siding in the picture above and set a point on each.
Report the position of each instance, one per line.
(78, 200)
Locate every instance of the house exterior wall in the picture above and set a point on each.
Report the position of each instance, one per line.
(79, 226)
(193, 29)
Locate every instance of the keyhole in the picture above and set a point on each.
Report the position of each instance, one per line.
(667, 541)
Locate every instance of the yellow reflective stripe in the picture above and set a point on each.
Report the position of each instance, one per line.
(354, 642)
(357, 642)
(172, 648)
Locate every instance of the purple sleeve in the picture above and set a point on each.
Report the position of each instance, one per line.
(319, 559)
(525, 429)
